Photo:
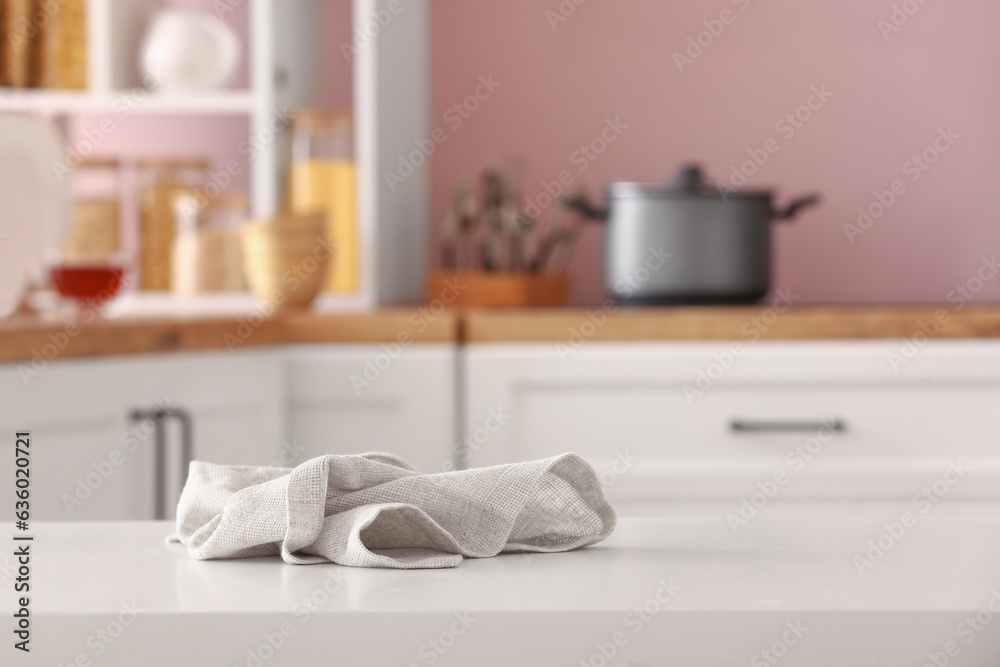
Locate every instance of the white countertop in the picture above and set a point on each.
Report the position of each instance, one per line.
(735, 596)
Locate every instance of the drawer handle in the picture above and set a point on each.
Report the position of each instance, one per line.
(749, 426)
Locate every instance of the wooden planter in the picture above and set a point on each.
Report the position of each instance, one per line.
(466, 289)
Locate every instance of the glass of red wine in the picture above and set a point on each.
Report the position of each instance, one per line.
(88, 283)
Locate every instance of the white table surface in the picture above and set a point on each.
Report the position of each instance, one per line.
(736, 594)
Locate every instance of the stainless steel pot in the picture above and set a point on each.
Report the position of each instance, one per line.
(688, 242)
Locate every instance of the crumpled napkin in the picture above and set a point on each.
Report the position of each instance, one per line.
(375, 510)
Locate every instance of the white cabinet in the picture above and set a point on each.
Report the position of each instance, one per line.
(275, 407)
(789, 425)
(91, 462)
(785, 427)
(351, 399)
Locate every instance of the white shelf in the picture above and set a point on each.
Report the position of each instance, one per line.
(218, 304)
(160, 304)
(136, 102)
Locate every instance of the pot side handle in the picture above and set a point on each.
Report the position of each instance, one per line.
(584, 207)
(796, 206)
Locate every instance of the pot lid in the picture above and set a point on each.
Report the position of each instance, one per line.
(690, 182)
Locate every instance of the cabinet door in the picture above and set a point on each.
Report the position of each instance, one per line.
(236, 403)
(88, 462)
(351, 399)
(832, 422)
(91, 462)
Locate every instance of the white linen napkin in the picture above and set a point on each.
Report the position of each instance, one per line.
(375, 510)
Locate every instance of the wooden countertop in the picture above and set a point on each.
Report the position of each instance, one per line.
(21, 338)
(728, 323)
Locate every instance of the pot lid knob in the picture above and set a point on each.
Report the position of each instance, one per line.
(690, 177)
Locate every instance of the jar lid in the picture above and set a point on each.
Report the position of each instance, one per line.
(173, 163)
(100, 163)
(230, 200)
(321, 118)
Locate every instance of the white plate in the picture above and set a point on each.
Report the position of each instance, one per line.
(34, 203)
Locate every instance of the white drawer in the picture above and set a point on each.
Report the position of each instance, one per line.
(834, 417)
(759, 422)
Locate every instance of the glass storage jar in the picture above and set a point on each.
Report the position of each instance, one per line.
(161, 181)
(60, 52)
(323, 179)
(95, 228)
(208, 250)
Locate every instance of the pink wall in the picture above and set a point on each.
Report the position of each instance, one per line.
(614, 59)
(337, 90)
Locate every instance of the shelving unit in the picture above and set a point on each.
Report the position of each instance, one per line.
(115, 29)
(282, 47)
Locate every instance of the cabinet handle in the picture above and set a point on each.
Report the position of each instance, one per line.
(780, 426)
(159, 417)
